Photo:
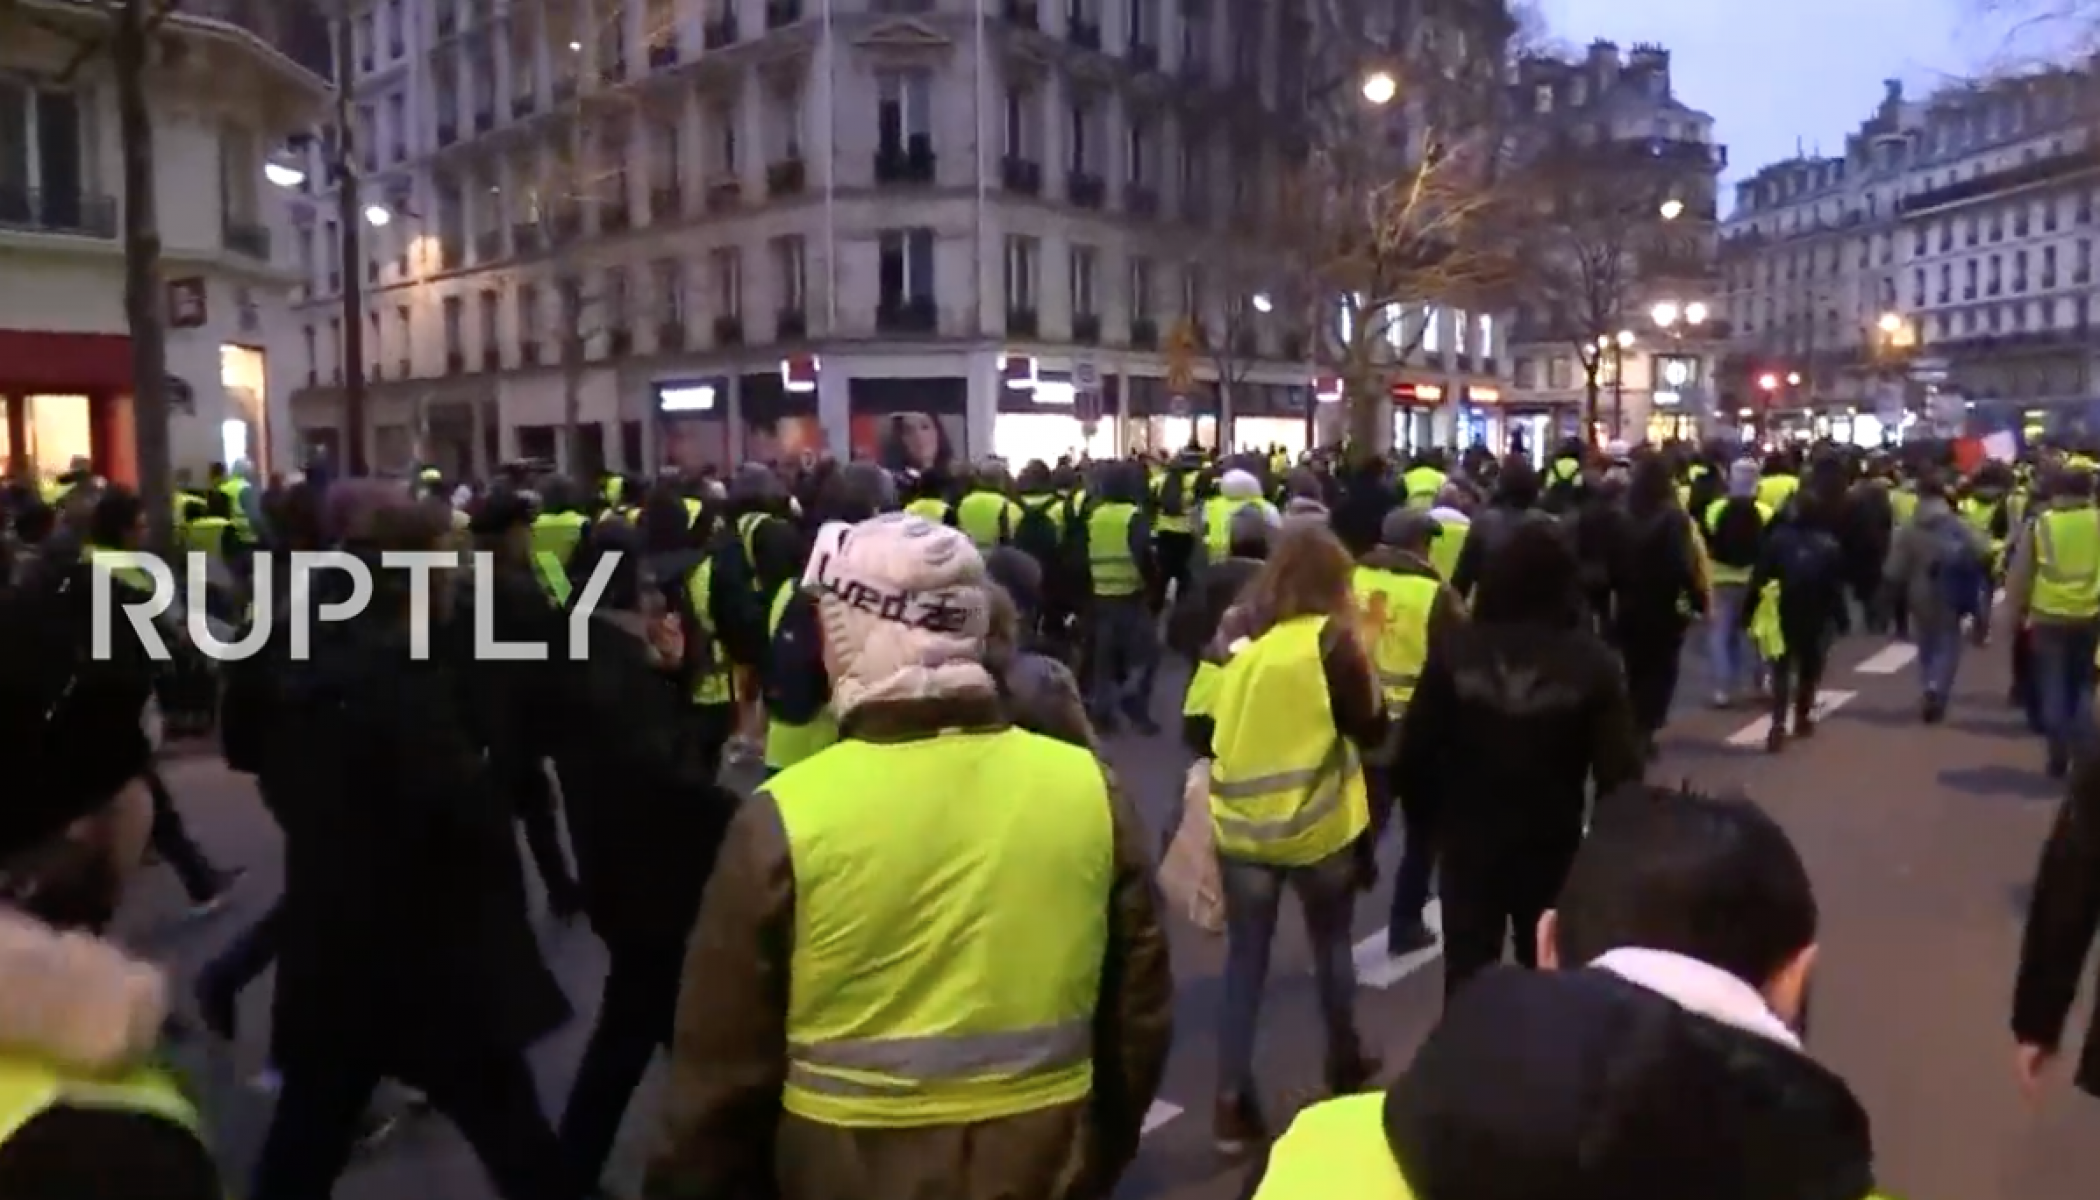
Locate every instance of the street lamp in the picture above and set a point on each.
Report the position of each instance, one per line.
(1793, 379)
(378, 216)
(1890, 323)
(1262, 303)
(283, 175)
(1671, 209)
(1768, 382)
(1380, 87)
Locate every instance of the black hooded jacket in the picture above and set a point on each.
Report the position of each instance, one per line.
(1625, 1094)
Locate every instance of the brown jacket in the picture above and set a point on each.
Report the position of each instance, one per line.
(725, 1134)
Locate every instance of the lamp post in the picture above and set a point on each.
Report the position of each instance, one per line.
(1616, 345)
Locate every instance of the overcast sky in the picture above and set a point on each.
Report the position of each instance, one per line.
(1778, 71)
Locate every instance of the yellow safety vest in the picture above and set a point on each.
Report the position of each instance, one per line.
(1286, 788)
(1722, 572)
(712, 680)
(1108, 550)
(1445, 550)
(1903, 504)
(930, 508)
(1203, 689)
(1773, 491)
(1051, 506)
(1338, 1150)
(1164, 522)
(1218, 512)
(1396, 609)
(919, 866)
(209, 535)
(555, 537)
(987, 517)
(788, 744)
(1766, 633)
(132, 577)
(2067, 564)
(29, 1088)
(234, 488)
(747, 527)
(1422, 485)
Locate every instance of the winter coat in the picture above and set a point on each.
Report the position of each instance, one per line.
(1924, 542)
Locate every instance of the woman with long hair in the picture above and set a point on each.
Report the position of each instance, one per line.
(1296, 705)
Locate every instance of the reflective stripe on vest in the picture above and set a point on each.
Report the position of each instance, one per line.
(747, 537)
(1395, 610)
(711, 675)
(1108, 550)
(2067, 563)
(788, 744)
(29, 1088)
(1286, 788)
(918, 866)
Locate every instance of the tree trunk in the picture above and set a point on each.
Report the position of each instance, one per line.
(1591, 393)
(144, 304)
(1370, 420)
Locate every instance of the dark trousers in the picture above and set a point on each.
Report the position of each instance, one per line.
(706, 732)
(488, 1096)
(635, 1014)
(532, 797)
(1491, 900)
(247, 956)
(1176, 552)
(1796, 676)
(1652, 659)
(1417, 846)
(172, 842)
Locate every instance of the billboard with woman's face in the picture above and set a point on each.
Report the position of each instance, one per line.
(908, 441)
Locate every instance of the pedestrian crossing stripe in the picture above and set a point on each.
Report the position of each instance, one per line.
(1377, 969)
(1827, 702)
(1159, 1114)
(1888, 660)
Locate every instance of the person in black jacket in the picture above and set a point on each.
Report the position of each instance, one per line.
(646, 817)
(2061, 921)
(72, 831)
(1803, 556)
(1656, 586)
(406, 949)
(1526, 671)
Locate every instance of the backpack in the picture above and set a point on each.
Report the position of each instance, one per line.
(1036, 533)
(1958, 575)
(1733, 539)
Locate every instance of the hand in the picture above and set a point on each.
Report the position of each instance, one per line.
(2030, 1065)
(667, 636)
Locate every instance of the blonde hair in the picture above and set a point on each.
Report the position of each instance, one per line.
(1307, 574)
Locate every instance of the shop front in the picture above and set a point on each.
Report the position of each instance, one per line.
(66, 396)
(1674, 405)
(1043, 417)
(917, 424)
(778, 415)
(1476, 416)
(1415, 408)
(1268, 416)
(692, 422)
(1155, 419)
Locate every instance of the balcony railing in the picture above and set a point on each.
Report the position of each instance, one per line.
(1142, 200)
(522, 103)
(724, 195)
(665, 202)
(1086, 328)
(782, 13)
(786, 178)
(912, 162)
(567, 224)
(248, 238)
(1083, 33)
(1023, 322)
(719, 32)
(670, 334)
(613, 69)
(791, 324)
(729, 330)
(1086, 190)
(1024, 13)
(564, 89)
(1992, 182)
(1021, 175)
(455, 362)
(491, 357)
(448, 133)
(488, 245)
(484, 119)
(1144, 333)
(663, 54)
(452, 255)
(1142, 56)
(899, 314)
(525, 237)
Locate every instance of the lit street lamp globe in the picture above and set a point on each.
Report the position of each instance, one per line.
(1695, 313)
(1664, 313)
(1671, 209)
(1380, 87)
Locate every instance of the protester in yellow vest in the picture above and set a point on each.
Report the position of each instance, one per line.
(984, 514)
(1237, 489)
(1732, 531)
(1297, 706)
(1404, 608)
(558, 534)
(1452, 513)
(1123, 637)
(85, 1109)
(1421, 482)
(907, 1045)
(1662, 1024)
(1193, 629)
(2052, 584)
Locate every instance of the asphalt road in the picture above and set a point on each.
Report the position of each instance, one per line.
(1921, 843)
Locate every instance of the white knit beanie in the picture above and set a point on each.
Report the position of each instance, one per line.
(903, 608)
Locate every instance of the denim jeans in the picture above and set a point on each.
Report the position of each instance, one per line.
(1939, 657)
(1731, 661)
(1125, 656)
(1253, 898)
(2063, 683)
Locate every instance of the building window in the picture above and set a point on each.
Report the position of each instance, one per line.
(491, 318)
(906, 257)
(1192, 292)
(1487, 335)
(455, 325)
(618, 300)
(1140, 289)
(1085, 264)
(1021, 104)
(1021, 257)
(41, 156)
(903, 110)
(1079, 140)
(784, 123)
(726, 156)
(1431, 320)
(729, 282)
(670, 290)
(531, 327)
(1139, 152)
(313, 359)
(790, 259)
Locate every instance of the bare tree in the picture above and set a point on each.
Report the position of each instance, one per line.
(1235, 346)
(1398, 195)
(1609, 222)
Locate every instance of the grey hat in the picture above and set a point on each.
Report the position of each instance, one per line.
(1405, 528)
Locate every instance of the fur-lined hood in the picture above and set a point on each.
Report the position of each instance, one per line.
(74, 999)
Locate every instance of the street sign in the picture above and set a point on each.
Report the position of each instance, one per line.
(1086, 405)
(1178, 404)
(1086, 375)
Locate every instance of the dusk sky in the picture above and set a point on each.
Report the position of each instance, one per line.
(1775, 71)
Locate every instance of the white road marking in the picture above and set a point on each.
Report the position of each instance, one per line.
(1827, 702)
(1159, 1114)
(1889, 659)
(1376, 969)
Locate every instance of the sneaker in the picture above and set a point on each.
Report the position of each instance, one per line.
(1237, 1125)
(1933, 710)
